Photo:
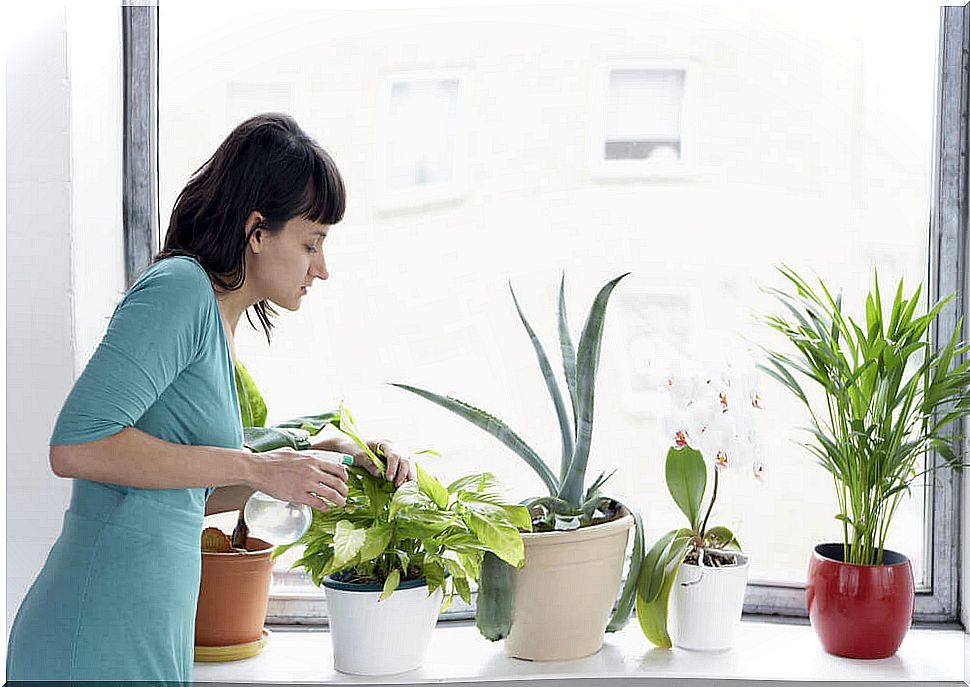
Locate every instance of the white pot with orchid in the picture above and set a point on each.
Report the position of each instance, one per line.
(699, 572)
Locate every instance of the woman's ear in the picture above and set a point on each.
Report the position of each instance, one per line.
(253, 230)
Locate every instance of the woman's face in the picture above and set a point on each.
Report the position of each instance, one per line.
(283, 265)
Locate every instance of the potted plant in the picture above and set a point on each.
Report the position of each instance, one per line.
(392, 558)
(236, 571)
(579, 536)
(890, 396)
(699, 571)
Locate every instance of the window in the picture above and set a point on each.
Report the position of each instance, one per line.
(421, 158)
(640, 127)
(817, 145)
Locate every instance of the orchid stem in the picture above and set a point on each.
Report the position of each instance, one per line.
(710, 507)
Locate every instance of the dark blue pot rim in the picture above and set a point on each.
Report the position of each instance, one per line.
(334, 581)
(834, 551)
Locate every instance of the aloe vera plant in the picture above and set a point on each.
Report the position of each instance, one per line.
(570, 503)
(889, 395)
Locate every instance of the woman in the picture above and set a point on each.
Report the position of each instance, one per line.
(152, 426)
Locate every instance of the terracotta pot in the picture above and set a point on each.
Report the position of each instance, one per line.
(234, 595)
(859, 611)
(564, 594)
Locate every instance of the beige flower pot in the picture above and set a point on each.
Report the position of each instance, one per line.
(564, 594)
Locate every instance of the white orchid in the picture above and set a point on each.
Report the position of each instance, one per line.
(713, 404)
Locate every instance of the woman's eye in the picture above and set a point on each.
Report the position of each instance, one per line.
(311, 249)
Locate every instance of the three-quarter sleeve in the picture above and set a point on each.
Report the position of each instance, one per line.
(156, 331)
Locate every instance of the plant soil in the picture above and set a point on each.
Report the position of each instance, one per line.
(712, 559)
(603, 514)
(412, 574)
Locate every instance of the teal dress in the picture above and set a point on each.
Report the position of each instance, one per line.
(116, 597)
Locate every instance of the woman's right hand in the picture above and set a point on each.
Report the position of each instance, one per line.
(310, 477)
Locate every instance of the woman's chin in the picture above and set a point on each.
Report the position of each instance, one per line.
(292, 306)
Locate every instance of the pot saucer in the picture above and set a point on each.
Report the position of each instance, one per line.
(233, 652)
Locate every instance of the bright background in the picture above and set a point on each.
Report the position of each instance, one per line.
(479, 145)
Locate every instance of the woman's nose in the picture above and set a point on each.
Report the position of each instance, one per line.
(319, 267)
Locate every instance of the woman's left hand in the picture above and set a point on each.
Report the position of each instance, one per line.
(399, 469)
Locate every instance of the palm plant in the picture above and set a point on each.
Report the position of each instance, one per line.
(890, 397)
(569, 504)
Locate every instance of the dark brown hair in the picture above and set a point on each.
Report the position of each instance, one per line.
(268, 164)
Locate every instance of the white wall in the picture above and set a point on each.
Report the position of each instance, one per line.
(64, 248)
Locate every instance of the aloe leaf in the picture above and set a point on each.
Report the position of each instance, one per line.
(594, 488)
(568, 353)
(493, 426)
(587, 361)
(624, 607)
(565, 430)
(493, 614)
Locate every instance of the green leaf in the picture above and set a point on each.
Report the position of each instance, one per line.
(478, 482)
(493, 426)
(422, 524)
(686, 475)
(377, 538)
(461, 585)
(493, 614)
(624, 606)
(565, 426)
(347, 542)
(390, 584)
(312, 424)
(432, 488)
(656, 579)
(519, 517)
(345, 423)
(721, 538)
(252, 408)
(409, 495)
(568, 354)
(587, 362)
(489, 524)
(262, 439)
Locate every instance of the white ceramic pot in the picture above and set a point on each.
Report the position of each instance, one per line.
(706, 603)
(367, 634)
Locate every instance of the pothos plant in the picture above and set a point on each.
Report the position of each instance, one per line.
(421, 529)
(570, 502)
(712, 415)
(389, 534)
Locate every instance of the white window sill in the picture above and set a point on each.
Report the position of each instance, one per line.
(458, 653)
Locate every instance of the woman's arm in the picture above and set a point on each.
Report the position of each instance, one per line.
(137, 459)
(226, 499)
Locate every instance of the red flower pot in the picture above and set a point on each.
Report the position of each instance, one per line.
(859, 611)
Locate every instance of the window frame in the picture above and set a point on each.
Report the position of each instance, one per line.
(139, 31)
(390, 201)
(937, 601)
(602, 168)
